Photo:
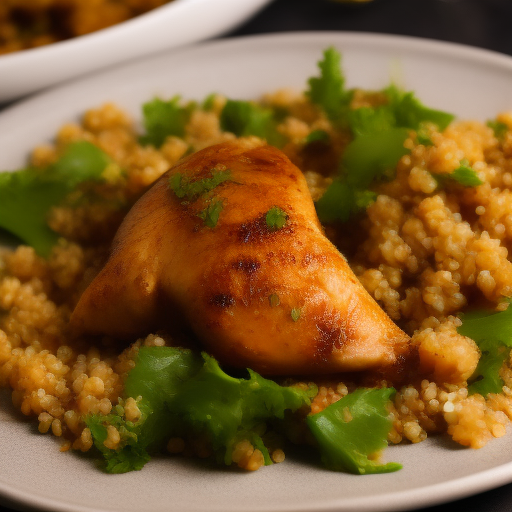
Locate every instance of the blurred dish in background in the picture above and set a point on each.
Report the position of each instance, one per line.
(28, 24)
(173, 24)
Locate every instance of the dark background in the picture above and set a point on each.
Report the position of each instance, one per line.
(481, 23)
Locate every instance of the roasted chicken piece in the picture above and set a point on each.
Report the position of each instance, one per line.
(228, 244)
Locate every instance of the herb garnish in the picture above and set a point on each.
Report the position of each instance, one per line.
(274, 300)
(317, 136)
(295, 314)
(244, 118)
(27, 195)
(193, 189)
(379, 135)
(187, 393)
(499, 128)
(464, 175)
(348, 445)
(163, 119)
(276, 218)
(210, 214)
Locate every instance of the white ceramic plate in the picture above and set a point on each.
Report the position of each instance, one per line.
(177, 23)
(471, 83)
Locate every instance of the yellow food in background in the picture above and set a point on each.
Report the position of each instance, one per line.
(28, 24)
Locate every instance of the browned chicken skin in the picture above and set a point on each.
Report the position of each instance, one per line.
(278, 299)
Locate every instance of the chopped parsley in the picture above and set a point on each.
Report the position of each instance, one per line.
(210, 214)
(317, 136)
(274, 300)
(209, 102)
(276, 218)
(464, 175)
(295, 314)
(328, 90)
(411, 113)
(342, 201)
(191, 190)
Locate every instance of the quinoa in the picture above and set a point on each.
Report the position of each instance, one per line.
(423, 252)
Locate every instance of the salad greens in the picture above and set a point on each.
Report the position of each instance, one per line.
(352, 429)
(379, 135)
(26, 196)
(163, 119)
(180, 393)
(245, 118)
(499, 128)
(187, 393)
(492, 332)
(328, 90)
(464, 175)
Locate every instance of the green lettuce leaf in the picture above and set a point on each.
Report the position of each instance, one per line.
(162, 119)
(328, 90)
(245, 118)
(464, 175)
(186, 393)
(409, 112)
(341, 201)
(27, 195)
(492, 332)
(379, 135)
(499, 128)
(368, 157)
(317, 136)
(372, 156)
(352, 429)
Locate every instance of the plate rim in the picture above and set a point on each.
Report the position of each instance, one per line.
(416, 44)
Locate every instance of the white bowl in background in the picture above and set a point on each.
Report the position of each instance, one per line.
(178, 23)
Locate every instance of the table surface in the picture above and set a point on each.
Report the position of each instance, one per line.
(480, 23)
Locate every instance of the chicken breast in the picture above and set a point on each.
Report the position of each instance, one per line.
(228, 244)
